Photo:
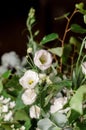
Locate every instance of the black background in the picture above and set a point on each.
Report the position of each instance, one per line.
(13, 15)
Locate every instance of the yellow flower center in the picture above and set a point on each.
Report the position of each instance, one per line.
(30, 81)
(42, 59)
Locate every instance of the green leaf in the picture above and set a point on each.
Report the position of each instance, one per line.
(6, 74)
(84, 16)
(19, 102)
(5, 127)
(44, 124)
(80, 6)
(20, 115)
(13, 86)
(27, 124)
(65, 83)
(82, 126)
(63, 16)
(1, 86)
(47, 99)
(76, 103)
(77, 29)
(47, 124)
(49, 38)
(57, 51)
(59, 119)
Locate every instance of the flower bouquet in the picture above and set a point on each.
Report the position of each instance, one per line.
(46, 90)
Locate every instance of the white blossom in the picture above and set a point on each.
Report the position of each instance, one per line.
(10, 59)
(35, 111)
(22, 128)
(29, 96)
(43, 59)
(58, 104)
(48, 81)
(5, 108)
(83, 66)
(6, 100)
(12, 126)
(42, 78)
(12, 104)
(29, 50)
(8, 116)
(29, 80)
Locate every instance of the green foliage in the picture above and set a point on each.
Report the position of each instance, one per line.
(57, 51)
(77, 29)
(76, 103)
(49, 38)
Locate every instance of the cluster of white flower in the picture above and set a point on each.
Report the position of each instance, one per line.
(21, 128)
(6, 108)
(29, 80)
(11, 60)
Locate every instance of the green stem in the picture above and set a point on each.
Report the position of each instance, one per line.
(80, 53)
(65, 33)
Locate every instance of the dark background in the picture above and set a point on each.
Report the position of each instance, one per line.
(13, 15)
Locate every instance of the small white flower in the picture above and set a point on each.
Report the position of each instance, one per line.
(42, 78)
(43, 59)
(22, 128)
(35, 111)
(5, 108)
(6, 100)
(29, 80)
(83, 65)
(29, 50)
(48, 81)
(29, 96)
(12, 126)
(8, 116)
(58, 104)
(12, 104)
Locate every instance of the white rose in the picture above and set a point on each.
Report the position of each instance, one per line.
(29, 80)
(29, 96)
(42, 59)
(58, 104)
(83, 65)
(35, 111)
